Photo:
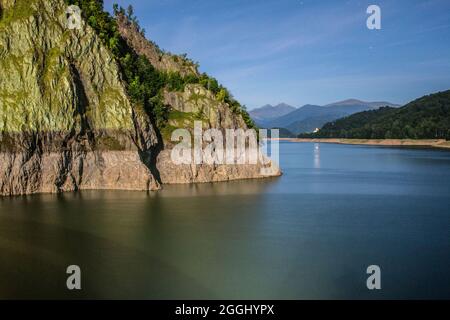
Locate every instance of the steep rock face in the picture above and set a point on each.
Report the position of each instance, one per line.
(195, 99)
(66, 122)
(195, 103)
(171, 173)
(160, 60)
(67, 171)
(51, 73)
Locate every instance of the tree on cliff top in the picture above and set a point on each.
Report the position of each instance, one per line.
(144, 82)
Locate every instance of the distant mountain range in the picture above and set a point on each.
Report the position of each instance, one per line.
(425, 118)
(265, 114)
(309, 117)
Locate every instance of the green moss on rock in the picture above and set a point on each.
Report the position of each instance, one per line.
(14, 11)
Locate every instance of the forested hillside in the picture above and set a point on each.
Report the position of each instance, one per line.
(425, 118)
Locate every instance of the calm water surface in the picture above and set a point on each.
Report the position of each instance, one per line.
(308, 234)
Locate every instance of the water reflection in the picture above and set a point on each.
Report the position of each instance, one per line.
(317, 156)
(240, 187)
(302, 235)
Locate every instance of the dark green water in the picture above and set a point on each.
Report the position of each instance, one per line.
(309, 234)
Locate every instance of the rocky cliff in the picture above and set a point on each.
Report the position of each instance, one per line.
(160, 60)
(67, 121)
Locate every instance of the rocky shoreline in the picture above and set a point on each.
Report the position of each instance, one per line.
(437, 143)
(68, 122)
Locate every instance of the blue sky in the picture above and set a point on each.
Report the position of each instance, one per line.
(307, 51)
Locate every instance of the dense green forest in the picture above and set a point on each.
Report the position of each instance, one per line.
(425, 118)
(144, 82)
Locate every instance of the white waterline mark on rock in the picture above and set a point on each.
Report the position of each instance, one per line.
(228, 146)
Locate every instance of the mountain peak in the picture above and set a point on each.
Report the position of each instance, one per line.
(309, 117)
(284, 105)
(357, 102)
(269, 112)
(350, 101)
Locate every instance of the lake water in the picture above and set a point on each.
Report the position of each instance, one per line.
(308, 234)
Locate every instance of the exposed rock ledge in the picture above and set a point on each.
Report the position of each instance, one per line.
(57, 172)
(170, 173)
(67, 122)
